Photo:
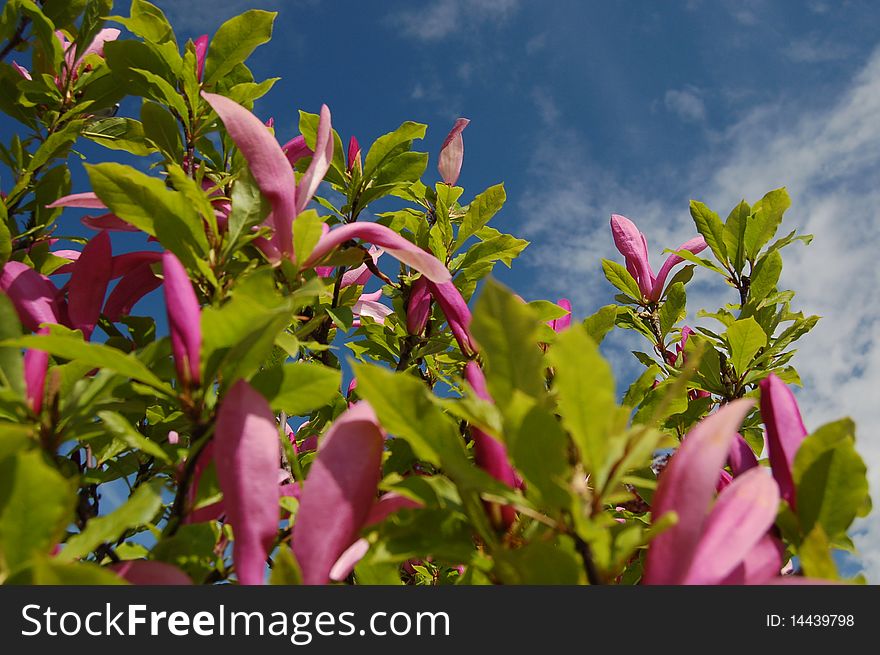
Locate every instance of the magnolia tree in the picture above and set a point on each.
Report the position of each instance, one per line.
(334, 401)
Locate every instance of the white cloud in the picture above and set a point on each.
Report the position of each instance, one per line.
(443, 18)
(686, 103)
(813, 49)
(546, 106)
(829, 158)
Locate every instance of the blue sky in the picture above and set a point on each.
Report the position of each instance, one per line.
(588, 108)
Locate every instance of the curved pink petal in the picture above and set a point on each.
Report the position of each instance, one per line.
(96, 47)
(86, 200)
(247, 455)
(386, 238)
(201, 47)
(458, 316)
(742, 457)
(21, 70)
(267, 162)
(367, 306)
(695, 245)
(387, 505)
(320, 164)
(296, 149)
(760, 566)
(686, 486)
(32, 294)
(740, 518)
(88, 284)
(353, 157)
(452, 153)
(361, 274)
(36, 364)
(343, 567)
(133, 286)
(785, 431)
(418, 308)
(563, 322)
(128, 261)
(632, 245)
(109, 222)
(339, 491)
(148, 572)
(489, 453)
(184, 319)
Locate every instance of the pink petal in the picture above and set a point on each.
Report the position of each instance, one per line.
(296, 149)
(564, 322)
(201, 46)
(695, 245)
(36, 364)
(247, 455)
(360, 275)
(760, 565)
(96, 47)
(347, 561)
(148, 572)
(354, 154)
(87, 200)
(452, 153)
(133, 286)
(686, 486)
(458, 316)
(184, 319)
(386, 238)
(489, 453)
(21, 70)
(387, 505)
(320, 164)
(741, 457)
(128, 261)
(267, 162)
(365, 306)
(418, 308)
(741, 517)
(339, 492)
(110, 222)
(33, 295)
(632, 245)
(88, 284)
(785, 431)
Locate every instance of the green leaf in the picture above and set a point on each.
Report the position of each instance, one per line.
(249, 207)
(620, 278)
(765, 276)
(298, 388)
(139, 509)
(160, 127)
(158, 88)
(147, 21)
(119, 133)
(125, 432)
(307, 234)
(285, 570)
(745, 338)
(734, 232)
(764, 221)
(56, 145)
(585, 388)
(392, 144)
(814, 552)
(11, 366)
(710, 226)
(540, 563)
(673, 309)
(191, 549)
(479, 212)
(507, 332)
(5, 236)
(36, 505)
(830, 479)
(94, 354)
(149, 205)
(234, 42)
(46, 571)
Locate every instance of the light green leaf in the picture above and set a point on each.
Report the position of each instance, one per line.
(234, 42)
(479, 212)
(765, 276)
(673, 309)
(139, 509)
(745, 338)
(298, 388)
(620, 278)
(392, 144)
(710, 226)
(764, 221)
(121, 429)
(11, 367)
(734, 232)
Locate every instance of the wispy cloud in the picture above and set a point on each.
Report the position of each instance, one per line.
(829, 158)
(813, 49)
(443, 18)
(686, 103)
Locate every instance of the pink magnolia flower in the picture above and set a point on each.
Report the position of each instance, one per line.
(361, 274)
(785, 431)
(247, 454)
(353, 158)
(339, 497)
(34, 296)
(149, 572)
(36, 365)
(184, 319)
(21, 70)
(564, 322)
(96, 47)
(201, 45)
(727, 541)
(634, 247)
(451, 302)
(418, 308)
(89, 200)
(297, 149)
(489, 453)
(452, 153)
(89, 279)
(368, 305)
